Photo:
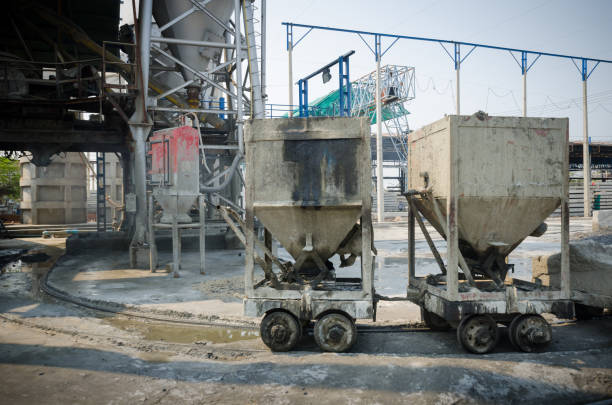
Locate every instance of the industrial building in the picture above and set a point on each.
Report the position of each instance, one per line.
(172, 215)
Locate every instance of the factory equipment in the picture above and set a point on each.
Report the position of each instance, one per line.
(308, 182)
(175, 168)
(485, 184)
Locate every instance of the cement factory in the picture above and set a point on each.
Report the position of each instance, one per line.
(171, 233)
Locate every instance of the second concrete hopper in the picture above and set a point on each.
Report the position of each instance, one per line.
(507, 174)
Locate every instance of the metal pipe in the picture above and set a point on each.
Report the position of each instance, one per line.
(213, 17)
(140, 126)
(257, 107)
(446, 41)
(238, 47)
(177, 19)
(175, 89)
(192, 70)
(586, 155)
(263, 50)
(380, 192)
(193, 110)
(188, 42)
(230, 174)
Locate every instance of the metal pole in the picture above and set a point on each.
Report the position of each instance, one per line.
(202, 207)
(139, 127)
(586, 155)
(239, 103)
(524, 93)
(524, 68)
(457, 68)
(458, 107)
(263, 50)
(290, 52)
(380, 195)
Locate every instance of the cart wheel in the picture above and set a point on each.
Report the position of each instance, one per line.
(434, 321)
(529, 333)
(335, 332)
(280, 331)
(478, 333)
(586, 312)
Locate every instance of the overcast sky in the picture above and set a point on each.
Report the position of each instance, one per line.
(490, 80)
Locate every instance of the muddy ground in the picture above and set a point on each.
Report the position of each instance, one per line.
(55, 352)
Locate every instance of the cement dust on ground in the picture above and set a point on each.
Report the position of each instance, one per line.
(53, 352)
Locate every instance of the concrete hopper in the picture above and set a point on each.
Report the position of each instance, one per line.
(309, 183)
(507, 174)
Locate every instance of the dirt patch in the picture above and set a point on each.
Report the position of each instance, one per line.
(223, 288)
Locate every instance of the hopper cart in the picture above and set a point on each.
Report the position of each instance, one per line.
(485, 184)
(308, 183)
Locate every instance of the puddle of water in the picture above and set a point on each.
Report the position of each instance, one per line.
(41, 259)
(182, 333)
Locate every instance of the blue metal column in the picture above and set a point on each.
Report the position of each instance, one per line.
(345, 86)
(303, 98)
(101, 192)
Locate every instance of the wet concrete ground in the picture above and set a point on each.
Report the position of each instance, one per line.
(53, 352)
(107, 277)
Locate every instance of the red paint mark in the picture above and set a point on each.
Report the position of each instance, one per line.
(542, 132)
(181, 144)
(510, 142)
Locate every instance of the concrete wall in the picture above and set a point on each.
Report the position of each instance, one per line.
(55, 194)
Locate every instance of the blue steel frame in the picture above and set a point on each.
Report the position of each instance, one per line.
(456, 58)
(344, 88)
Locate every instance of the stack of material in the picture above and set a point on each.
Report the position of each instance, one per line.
(590, 267)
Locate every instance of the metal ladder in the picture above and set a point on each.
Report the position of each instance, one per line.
(101, 191)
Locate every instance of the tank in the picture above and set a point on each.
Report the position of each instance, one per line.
(507, 173)
(197, 27)
(175, 171)
(309, 183)
(54, 194)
